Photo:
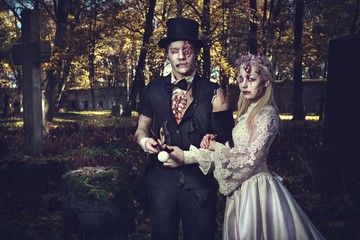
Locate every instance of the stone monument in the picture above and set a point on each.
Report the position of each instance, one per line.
(30, 54)
(338, 161)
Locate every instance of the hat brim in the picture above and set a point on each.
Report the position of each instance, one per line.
(166, 40)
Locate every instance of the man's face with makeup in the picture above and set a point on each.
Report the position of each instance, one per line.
(182, 57)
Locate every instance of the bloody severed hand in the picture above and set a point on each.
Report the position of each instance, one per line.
(179, 105)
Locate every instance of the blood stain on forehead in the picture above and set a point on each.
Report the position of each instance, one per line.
(188, 48)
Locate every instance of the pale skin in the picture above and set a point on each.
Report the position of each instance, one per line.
(251, 85)
(250, 82)
(182, 57)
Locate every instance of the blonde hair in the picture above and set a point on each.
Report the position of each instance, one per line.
(266, 74)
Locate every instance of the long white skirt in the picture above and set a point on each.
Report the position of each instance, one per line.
(264, 209)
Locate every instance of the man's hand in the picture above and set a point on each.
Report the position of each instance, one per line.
(176, 157)
(152, 146)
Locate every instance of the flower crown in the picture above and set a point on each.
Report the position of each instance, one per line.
(259, 58)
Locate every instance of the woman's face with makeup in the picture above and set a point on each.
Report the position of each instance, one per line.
(250, 82)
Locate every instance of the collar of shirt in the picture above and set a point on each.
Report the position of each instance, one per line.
(188, 79)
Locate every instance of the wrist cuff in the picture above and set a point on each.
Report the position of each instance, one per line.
(143, 142)
(188, 158)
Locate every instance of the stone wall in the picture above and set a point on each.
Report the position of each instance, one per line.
(313, 95)
(105, 98)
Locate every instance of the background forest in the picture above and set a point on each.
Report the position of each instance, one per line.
(97, 43)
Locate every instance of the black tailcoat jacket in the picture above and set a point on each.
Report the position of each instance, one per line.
(197, 121)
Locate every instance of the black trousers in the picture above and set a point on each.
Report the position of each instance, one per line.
(171, 205)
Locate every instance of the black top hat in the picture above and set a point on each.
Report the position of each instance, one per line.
(181, 29)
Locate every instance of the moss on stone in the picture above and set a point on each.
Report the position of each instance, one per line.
(101, 184)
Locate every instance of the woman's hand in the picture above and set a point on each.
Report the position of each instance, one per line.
(208, 142)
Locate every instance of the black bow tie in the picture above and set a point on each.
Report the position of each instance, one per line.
(182, 84)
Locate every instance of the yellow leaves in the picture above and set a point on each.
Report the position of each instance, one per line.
(6, 66)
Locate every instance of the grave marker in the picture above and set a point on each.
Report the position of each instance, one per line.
(337, 164)
(30, 54)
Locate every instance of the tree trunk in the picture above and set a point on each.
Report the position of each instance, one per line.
(68, 59)
(62, 80)
(91, 56)
(224, 78)
(253, 28)
(6, 104)
(54, 74)
(205, 25)
(297, 97)
(139, 81)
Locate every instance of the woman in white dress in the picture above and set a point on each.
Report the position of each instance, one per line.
(258, 206)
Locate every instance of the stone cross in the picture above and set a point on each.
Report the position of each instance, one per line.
(30, 53)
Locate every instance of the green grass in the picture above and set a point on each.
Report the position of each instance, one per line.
(93, 118)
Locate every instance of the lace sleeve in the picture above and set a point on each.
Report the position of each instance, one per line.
(235, 165)
(201, 157)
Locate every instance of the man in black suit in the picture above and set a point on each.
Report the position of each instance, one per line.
(179, 109)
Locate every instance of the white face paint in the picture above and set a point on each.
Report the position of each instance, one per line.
(250, 82)
(181, 55)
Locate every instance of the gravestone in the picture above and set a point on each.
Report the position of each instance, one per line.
(30, 53)
(116, 110)
(96, 204)
(338, 161)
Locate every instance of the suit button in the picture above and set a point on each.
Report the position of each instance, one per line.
(177, 131)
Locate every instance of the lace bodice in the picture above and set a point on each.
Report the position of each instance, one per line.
(232, 166)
